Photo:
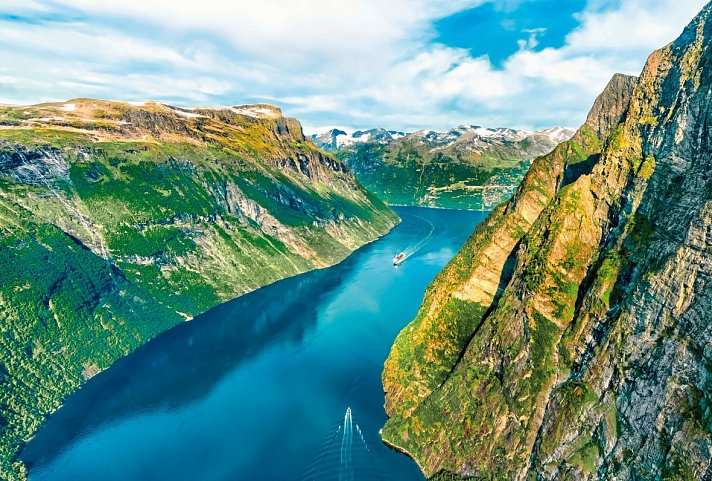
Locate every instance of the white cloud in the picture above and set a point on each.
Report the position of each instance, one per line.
(330, 62)
(533, 40)
(638, 25)
(288, 31)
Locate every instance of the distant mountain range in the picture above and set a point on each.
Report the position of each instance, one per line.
(467, 167)
(336, 139)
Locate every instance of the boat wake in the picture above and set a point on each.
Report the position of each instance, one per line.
(414, 247)
(344, 456)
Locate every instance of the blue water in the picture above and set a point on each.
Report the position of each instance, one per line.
(257, 388)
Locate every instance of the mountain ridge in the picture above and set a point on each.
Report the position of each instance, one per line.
(331, 138)
(119, 220)
(569, 339)
(467, 167)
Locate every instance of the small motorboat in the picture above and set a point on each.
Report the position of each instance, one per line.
(399, 258)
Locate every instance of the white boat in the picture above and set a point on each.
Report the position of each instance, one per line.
(399, 258)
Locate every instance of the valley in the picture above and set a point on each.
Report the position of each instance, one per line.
(208, 293)
(468, 167)
(264, 377)
(119, 221)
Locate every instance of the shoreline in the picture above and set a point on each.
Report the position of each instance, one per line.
(18, 457)
(440, 208)
(403, 451)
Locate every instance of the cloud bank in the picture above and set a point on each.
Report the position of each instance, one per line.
(353, 64)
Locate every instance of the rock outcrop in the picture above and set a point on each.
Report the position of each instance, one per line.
(571, 338)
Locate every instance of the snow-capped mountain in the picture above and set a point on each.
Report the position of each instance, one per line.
(469, 166)
(335, 139)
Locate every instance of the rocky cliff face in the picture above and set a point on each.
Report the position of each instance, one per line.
(571, 337)
(468, 167)
(117, 221)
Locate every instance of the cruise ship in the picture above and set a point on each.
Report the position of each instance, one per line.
(399, 258)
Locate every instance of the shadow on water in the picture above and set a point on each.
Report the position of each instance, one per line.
(182, 364)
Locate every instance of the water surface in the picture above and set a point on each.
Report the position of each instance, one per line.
(256, 388)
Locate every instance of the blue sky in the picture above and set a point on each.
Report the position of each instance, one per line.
(497, 29)
(400, 64)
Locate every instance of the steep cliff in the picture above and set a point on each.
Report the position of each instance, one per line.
(468, 167)
(118, 221)
(571, 336)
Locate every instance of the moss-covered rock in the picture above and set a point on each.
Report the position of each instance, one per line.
(589, 350)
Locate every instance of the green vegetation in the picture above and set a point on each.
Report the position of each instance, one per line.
(647, 167)
(678, 469)
(113, 231)
(544, 337)
(65, 315)
(458, 175)
(487, 396)
(573, 398)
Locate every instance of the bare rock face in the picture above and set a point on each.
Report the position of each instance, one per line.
(571, 337)
(611, 105)
(30, 166)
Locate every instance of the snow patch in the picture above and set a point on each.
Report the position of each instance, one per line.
(558, 134)
(255, 111)
(424, 133)
(483, 132)
(349, 139)
(183, 113)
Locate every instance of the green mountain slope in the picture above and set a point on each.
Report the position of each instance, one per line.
(570, 338)
(118, 221)
(468, 167)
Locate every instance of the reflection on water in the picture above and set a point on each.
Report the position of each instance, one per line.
(200, 351)
(251, 389)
